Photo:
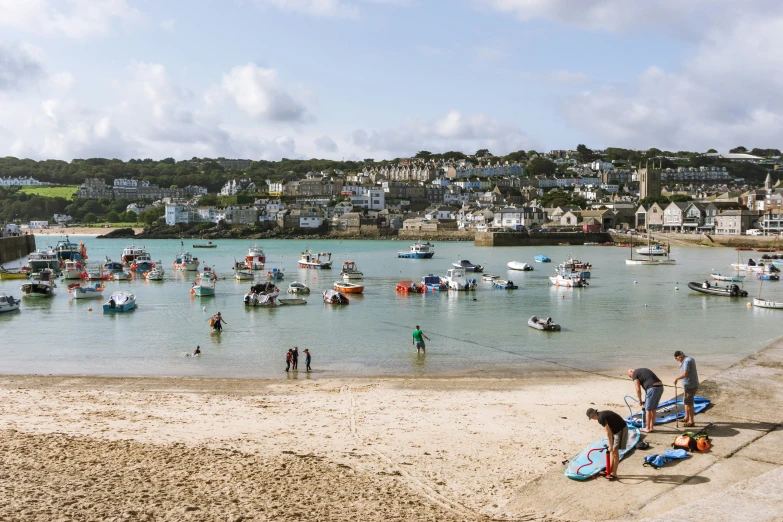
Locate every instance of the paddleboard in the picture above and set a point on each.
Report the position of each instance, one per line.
(667, 412)
(583, 467)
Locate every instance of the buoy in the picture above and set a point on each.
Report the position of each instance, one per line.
(90, 309)
(676, 287)
(562, 297)
(645, 305)
(204, 309)
(636, 282)
(750, 304)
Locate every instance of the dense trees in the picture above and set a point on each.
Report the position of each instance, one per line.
(538, 166)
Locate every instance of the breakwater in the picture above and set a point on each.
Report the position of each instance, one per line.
(551, 238)
(15, 247)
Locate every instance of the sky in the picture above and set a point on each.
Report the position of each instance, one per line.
(356, 79)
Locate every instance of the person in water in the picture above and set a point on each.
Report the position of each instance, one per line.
(418, 340)
(197, 351)
(288, 359)
(218, 322)
(307, 359)
(295, 358)
(616, 435)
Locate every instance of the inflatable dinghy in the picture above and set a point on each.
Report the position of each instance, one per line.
(667, 412)
(592, 460)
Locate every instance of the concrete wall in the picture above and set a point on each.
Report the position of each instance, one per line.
(364, 231)
(443, 235)
(523, 239)
(12, 248)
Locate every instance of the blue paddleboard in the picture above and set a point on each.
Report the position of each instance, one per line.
(582, 468)
(667, 412)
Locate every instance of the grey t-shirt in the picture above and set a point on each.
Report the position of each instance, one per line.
(691, 379)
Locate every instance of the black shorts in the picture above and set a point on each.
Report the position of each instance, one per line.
(688, 395)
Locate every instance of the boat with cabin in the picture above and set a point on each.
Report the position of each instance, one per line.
(350, 271)
(767, 276)
(43, 259)
(209, 244)
(156, 273)
(652, 250)
(519, 265)
(204, 285)
(112, 266)
(120, 302)
(541, 259)
(186, 262)
(255, 258)
(130, 253)
(729, 291)
(66, 250)
(321, 260)
(262, 295)
(298, 288)
(86, 292)
(457, 280)
(468, 266)
(573, 281)
(8, 303)
(348, 288)
(142, 263)
(44, 287)
(433, 283)
(335, 297)
(419, 251)
(651, 259)
(546, 325)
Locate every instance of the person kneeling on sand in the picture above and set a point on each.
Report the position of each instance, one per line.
(616, 434)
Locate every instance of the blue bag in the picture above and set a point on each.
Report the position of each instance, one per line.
(657, 461)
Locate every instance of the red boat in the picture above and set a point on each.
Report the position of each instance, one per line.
(743, 248)
(409, 287)
(766, 250)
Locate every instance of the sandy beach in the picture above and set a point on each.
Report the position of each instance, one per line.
(76, 231)
(339, 449)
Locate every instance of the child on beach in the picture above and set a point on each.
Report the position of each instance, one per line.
(288, 358)
(307, 359)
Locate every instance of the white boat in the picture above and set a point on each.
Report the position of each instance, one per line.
(186, 262)
(97, 274)
(8, 303)
(44, 287)
(205, 283)
(650, 259)
(419, 251)
(298, 288)
(519, 265)
(457, 280)
(120, 302)
(130, 253)
(489, 277)
(568, 281)
(156, 273)
(142, 263)
(73, 270)
(335, 297)
(255, 258)
(86, 292)
(350, 271)
(322, 260)
(262, 294)
(121, 276)
(652, 250)
(719, 277)
(543, 324)
(41, 259)
(244, 275)
(765, 303)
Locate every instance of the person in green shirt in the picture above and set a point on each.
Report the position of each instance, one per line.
(418, 339)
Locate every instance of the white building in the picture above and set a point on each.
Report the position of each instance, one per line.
(19, 182)
(232, 187)
(370, 199)
(61, 219)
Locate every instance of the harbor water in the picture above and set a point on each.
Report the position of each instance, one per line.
(628, 316)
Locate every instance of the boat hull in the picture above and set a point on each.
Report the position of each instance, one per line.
(353, 289)
(650, 262)
(86, 293)
(765, 303)
(718, 277)
(719, 291)
(415, 255)
(37, 290)
(202, 291)
(323, 266)
(516, 265)
(13, 275)
(127, 307)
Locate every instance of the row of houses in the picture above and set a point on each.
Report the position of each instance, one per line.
(22, 181)
(719, 218)
(132, 189)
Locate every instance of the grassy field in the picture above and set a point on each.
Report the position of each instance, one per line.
(67, 192)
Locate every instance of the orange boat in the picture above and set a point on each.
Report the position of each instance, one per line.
(409, 287)
(743, 248)
(348, 288)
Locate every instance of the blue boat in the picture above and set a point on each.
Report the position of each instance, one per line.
(69, 251)
(433, 282)
(503, 284)
(112, 266)
(419, 251)
(668, 411)
(120, 302)
(592, 460)
(542, 259)
(767, 276)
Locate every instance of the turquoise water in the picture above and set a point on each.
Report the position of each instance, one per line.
(629, 316)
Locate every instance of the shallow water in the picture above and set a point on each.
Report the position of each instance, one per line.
(628, 316)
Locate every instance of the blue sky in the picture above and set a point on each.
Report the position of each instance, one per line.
(384, 78)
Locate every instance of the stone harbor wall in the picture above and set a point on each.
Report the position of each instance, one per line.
(12, 248)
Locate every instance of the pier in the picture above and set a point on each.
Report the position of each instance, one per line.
(544, 239)
(15, 247)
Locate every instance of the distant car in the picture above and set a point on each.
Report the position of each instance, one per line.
(754, 232)
(544, 230)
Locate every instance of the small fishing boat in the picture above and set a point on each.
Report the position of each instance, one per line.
(519, 265)
(321, 260)
(407, 286)
(457, 280)
(156, 274)
(43, 259)
(14, 273)
(121, 276)
(112, 266)
(572, 281)
(651, 259)
(766, 303)
(244, 275)
(766, 250)
(350, 271)
(348, 288)
(255, 258)
(275, 274)
(66, 250)
(489, 277)
(8, 303)
(433, 283)
(130, 253)
(73, 270)
(96, 274)
(543, 324)
(262, 295)
(468, 266)
(767, 276)
(292, 301)
(541, 259)
(120, 302)
(44, 287)
(504, 284)
(719, 277)
(186, 262)
(707, 288)
(209, 244)
(204, 285)
(574, 267)
(419, 251)
(298, 288)
(335, 297)
(86, 292)
(142, 263)
(743, 248)
(652, 250)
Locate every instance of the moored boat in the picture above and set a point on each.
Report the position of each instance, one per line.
(457, 280)
(186, 262)
(262, 295)
(335, 297)
(489, 277)
(766, 303)
(767, 276)
(204, 285)
(44, 287)
(121, 276)
(468, 266)
(541, 259)
(504, 284)
(407, 286)
(652, 250)
(130, 253)
(350, 271)
(292, 301)
(707, 288)
(432, 282)
(142, 263)
(111, 266)
(321, 260)
(86, 292)
(14, 273)
(519, 265)
(573, 281)
(120, 302)
(719, 277)
(156, 273)
(297, 288)
(244, 275)
(209, 244)
(255, 258)
(419, 251)
(43, 259)
(66, 250)
(543, 324)
(348, 288)
(8, 303)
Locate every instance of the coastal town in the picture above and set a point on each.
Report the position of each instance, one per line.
(459, 197)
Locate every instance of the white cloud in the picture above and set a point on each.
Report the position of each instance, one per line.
(257, 91)
(321, 8)
(325, 144)
(18, 66)
(453, 131)
(69, 18)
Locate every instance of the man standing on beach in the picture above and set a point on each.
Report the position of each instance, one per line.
(690, 383)
(307, 359)
(616, 435)
(288, 358)
(653, 390)
(418, 340)
(295, 358)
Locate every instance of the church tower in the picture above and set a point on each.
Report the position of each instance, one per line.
(768, 183)
(649, 182)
